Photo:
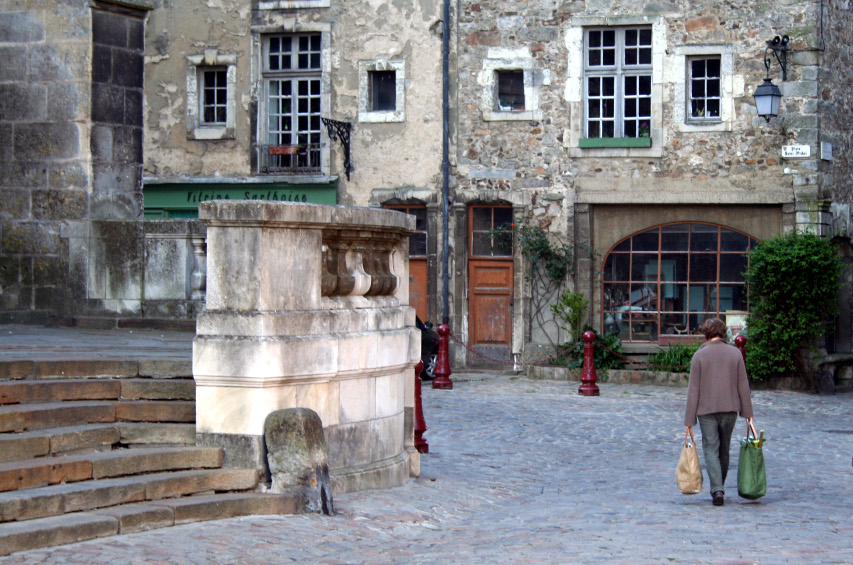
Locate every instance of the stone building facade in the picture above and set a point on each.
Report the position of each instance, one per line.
(625, 129)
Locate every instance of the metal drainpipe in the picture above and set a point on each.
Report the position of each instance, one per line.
(445, 160)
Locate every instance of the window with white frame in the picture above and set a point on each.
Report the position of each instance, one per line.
(382, 92)
(292, 75)
(211, 102)
(214, 98)
(618, 82)
(704, 89)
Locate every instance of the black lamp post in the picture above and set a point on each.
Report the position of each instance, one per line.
(767, 95)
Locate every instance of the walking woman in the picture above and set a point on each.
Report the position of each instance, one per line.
(717, 391)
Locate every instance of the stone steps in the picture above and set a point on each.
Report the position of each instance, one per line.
(97, 437)
(82, 526)
(32, 473)
(82, 458)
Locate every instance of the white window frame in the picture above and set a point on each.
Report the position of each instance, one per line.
(731, 87)
(620, 71)
(294, 75)
(574, 85)
(365, 113)
(504, 59)
(196, 65)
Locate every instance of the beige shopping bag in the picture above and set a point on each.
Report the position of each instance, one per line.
(688, 474)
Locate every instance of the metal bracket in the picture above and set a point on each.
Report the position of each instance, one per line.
(340, 131)
(779, 47)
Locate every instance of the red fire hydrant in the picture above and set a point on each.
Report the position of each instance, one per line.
(740, 343)
(442, 362)
(588, 376)
(420, 425)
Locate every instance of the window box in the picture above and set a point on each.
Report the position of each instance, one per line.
(607, 142)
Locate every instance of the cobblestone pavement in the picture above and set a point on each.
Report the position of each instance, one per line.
(523, 471)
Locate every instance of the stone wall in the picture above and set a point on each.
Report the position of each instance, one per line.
(44, 148)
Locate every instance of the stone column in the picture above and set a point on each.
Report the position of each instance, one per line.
(307, 307)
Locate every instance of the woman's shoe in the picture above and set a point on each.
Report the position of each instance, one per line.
(718, 498)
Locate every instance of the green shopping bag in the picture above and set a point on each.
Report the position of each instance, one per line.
(751, 478)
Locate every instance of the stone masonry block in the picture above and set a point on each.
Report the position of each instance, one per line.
(18, 174)
(23, 102)
(68, 23)
(68, 174)
(127, 69)
(41, 141)
(133, 108)
(14, 66)
(66, 101)
(50, 62)
(109, 28)
(30, 238)
(21, 27)
(14, 204)
(107, 104)
(6, 153)
(154, 411)
(59, 204)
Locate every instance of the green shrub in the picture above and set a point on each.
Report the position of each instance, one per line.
(675, 358)
(571, 309)
(793, 282)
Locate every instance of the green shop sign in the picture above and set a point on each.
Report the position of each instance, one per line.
(181, 200)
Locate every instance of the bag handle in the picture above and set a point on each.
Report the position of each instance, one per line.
(689, 433)
(750, 428)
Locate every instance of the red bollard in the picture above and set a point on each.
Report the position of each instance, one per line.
(740, 343)
(442, 362)
(420, 425)
(588, 376)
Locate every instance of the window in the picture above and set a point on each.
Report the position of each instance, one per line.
(211, 99)
(292, 77)
(668, 279)
(381, 96)
(383, 88)
(618, 82)
(704, 89)
(491, 231)
(510, 91)
(214, 98)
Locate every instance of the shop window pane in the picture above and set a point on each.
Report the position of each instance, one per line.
(672, 297)
(732, 267)
(643, 297)
(615, 296)
(646, 241)
(732, 297)
(703, 267)
(673, 267)
(616, 267)
(675, 237)
(703, 238)
(421, 218)
(733, 241)
(625, 245)
(644, 267)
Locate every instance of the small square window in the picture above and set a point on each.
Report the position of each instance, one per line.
(383, 90)
(704, 96)
(510, 91)
(214, 99)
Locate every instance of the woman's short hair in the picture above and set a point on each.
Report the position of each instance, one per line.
(714, 327)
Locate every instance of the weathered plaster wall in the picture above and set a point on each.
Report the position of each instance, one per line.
(177, 30)
(387, 155)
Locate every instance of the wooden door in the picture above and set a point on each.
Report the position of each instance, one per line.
(490, 290)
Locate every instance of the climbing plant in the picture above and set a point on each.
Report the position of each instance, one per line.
(793, 281)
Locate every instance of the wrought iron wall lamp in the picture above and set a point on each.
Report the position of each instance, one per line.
(767, 95)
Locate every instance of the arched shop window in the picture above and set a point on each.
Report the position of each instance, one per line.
(668, 279)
